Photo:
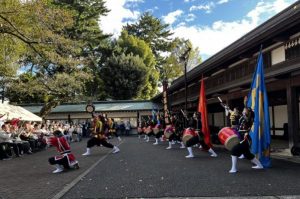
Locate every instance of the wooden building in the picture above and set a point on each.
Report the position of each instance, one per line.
(228, 74)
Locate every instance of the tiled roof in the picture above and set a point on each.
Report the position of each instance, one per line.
(105, 106)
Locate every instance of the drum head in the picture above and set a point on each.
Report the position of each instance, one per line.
(167, 134)
(231, 142)
(185, 138)
(155, 130)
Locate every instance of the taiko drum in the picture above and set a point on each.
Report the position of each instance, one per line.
(228, 137)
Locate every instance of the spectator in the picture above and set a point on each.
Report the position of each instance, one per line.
(5, 138)
(122, 127)
(127, 127)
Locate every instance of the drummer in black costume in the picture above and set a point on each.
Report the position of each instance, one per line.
(243, 148)
(158, 130)
(195, 122)
(234, 118)
(140, 129)
(178, 125)
(149, 130)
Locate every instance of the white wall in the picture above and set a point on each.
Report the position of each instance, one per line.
(280, 117)
(278, 55)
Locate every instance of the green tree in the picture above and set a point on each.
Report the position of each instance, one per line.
(153, 32)
(124, 76)
(49, 54)
(131, 45)
(95, 46)
(159, 37)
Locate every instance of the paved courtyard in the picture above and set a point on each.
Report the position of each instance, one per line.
(142, 170)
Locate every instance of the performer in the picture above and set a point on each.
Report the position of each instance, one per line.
(112, 128)
(234, 118)
(149, 130)
(66, 159)
(243, 148)
(141, 129)
(198, 137)
(177, 128)
(99, 137)
(158, 130)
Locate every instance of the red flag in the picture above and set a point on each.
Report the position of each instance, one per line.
(204, 118)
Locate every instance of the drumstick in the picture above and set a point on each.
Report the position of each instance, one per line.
(220, 99)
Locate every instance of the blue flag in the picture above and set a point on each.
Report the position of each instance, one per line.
(153, 115)
(258, 102)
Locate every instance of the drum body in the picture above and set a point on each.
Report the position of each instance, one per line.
(156, 129)
(148, 130)
(168, 131)
(140, 130)
(228, 137)
(188, 134)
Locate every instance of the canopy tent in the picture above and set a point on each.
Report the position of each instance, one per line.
(10, 112)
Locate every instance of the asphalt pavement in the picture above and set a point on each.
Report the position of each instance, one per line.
(142, 170)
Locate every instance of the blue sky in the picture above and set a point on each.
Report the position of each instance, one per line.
(211, 25)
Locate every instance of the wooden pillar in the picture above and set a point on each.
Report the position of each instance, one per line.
(293, 117)
(273, 121)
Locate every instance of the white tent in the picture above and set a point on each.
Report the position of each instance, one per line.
(10, 112)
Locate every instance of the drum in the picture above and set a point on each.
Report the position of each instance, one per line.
(168, 131)
(228, 137)
(156, 129)
(148, 130)
(140, 130)
(188, 134)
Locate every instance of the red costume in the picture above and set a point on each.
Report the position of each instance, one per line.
(63, 148)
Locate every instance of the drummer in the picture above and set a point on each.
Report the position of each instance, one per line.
(149, 130)
(234, 118)
(159, 129)
(243, 148)
(176, 136)
(140, 128)
(195, 122)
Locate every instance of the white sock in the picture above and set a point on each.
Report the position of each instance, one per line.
(190, 150)
(88, 151)
(257, 163)
(115, 149)
(233, 164)
(170, 146)
(182, 145)
(58, 169)
(213, 154)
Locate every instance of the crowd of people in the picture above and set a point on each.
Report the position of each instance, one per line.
(25, 137)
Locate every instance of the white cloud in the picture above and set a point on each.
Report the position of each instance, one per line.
(113, 22)
(207, 7)
(135, 1)
(222, 1)
(190, 17)
(181, 24)
(213, 38)
(187, 1)
(171, 17)
(267, 9)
